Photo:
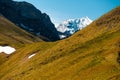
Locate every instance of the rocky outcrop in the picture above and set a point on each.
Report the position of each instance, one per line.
(28, 17)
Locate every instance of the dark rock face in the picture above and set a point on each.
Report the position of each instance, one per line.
(29, 18)
(118, 58)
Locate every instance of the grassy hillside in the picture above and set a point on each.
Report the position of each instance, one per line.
(91, 54)
(11, 35)
(14, 36)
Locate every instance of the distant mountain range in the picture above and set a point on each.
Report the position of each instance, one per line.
(29, 18)
(68, 27)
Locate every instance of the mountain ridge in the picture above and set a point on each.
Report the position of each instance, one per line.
(29, 18)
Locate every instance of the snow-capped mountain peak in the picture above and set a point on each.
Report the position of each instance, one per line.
(85, 21)
(70, 26)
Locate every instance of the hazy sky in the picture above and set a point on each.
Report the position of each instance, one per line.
(60, 10)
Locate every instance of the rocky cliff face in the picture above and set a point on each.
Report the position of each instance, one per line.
(29, 18)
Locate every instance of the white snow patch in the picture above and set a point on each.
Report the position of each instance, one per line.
(26, 27)
(56, 24)
(31, 56)
(62, 36)
(7, 49)
(38, 34)
(31, 30)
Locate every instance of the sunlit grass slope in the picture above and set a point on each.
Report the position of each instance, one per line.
(91, 54)
(13, 35)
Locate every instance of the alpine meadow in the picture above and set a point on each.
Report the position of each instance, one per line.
(78, 49)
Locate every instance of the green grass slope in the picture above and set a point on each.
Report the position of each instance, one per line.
(91, 54)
